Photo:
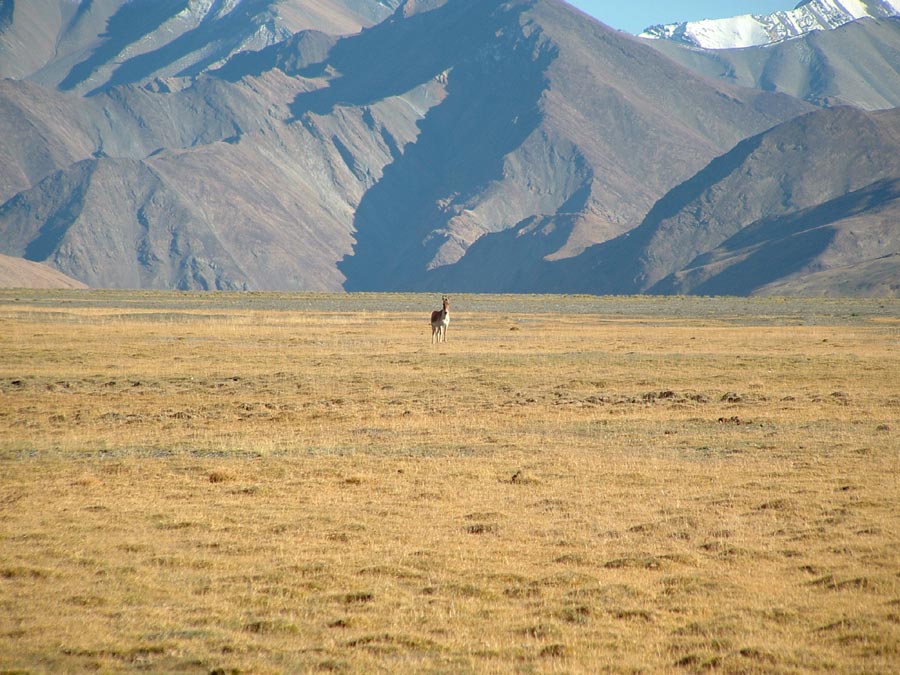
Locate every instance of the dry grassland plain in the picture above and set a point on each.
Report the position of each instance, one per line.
(264, 483)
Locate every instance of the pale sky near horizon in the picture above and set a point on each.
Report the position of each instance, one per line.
(633, 16)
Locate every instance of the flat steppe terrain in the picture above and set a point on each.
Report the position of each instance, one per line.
(289, 483)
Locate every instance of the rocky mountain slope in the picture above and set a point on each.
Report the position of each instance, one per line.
(803, 187)
(92, 45)
(810, 206)
(543, 113)
(750, 30)
(856, 64)
(454, 144)
(364, 162)
(19, 273)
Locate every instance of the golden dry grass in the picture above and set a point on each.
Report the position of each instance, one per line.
(280, 484)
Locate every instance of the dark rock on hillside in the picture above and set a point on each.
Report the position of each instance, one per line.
(292, 57)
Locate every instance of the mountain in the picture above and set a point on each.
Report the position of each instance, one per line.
(368, 161)
(87, 46)
(193, 189)
(856, 64)
(837, 246)
(809, 206)
(19, 273)
(751, 29)
(544, 113)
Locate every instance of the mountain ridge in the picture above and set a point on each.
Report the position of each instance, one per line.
(456, 144)
(20, 273)
(695, 238)
(856, 64)
(752, 30)
(815, 167)
(89, 47)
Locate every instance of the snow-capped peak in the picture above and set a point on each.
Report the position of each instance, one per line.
(750, 30)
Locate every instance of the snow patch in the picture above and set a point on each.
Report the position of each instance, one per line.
(751, 30)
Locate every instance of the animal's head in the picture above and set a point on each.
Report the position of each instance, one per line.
(446, 302)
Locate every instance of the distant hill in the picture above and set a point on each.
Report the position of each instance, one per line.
(427, 144)
(856, 64)
(810, 206)
(19, 273)
(814, 192)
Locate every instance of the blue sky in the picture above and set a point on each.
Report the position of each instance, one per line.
(635, 15)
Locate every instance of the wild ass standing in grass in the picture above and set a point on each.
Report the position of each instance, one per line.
(440, 319)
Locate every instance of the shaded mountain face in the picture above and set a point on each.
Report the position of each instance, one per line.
(87, 46)
(456, 144)
(857, 64)
(817, 195)
(822, 160)
(541, 112)
(369, 162)
(802, 252)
